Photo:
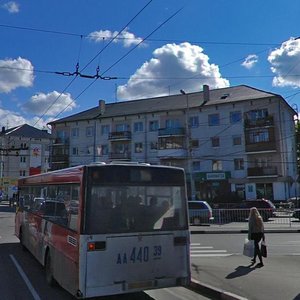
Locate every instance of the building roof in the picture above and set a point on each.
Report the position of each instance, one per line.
(173, 102)
(26, 130)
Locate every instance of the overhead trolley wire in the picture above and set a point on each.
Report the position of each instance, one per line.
(95, 77)
(116, 36)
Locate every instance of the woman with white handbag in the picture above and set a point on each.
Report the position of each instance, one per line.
(256, 233)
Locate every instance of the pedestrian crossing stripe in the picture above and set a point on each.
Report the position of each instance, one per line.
(211, 251)
(211, 255)
(196, 250)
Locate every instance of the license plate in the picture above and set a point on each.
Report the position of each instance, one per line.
(140, 285)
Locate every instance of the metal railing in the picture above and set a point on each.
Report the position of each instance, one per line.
(281, 216)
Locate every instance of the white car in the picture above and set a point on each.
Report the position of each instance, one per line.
(200, 212)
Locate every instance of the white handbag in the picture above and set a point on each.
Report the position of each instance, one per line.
(248, 248)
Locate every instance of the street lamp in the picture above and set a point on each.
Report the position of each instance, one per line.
(188, 143)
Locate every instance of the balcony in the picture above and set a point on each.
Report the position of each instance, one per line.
(262, 122)
(261, 146)
(120, 135)
(260, 139)
(171, 131)
(172, 153)
(262, 171)
(60, 158)
(61, 141)
(59, 161)
(123, 156)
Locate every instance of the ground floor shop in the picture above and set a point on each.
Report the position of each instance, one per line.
(221, 187)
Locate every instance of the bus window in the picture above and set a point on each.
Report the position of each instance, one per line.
(129, 209)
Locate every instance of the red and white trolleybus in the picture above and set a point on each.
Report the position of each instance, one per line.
(105, 229)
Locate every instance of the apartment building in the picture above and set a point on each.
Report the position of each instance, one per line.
(24, 151)
(232, 141)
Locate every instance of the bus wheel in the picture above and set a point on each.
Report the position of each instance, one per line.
(49, 271)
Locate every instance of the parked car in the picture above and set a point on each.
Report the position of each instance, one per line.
(240, 211)
(200, 212)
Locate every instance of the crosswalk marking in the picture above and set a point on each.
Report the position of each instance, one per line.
(197, 250)
(211, 251)
(211, 255)
(203, 247)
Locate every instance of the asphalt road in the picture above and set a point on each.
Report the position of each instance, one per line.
(217, 262)
(22, 277)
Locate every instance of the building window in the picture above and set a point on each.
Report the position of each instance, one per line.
(217, 165)
(236, 140)
(153, 125)
(259, 136)
(122, 127)
(258, 114)
(194, 143)
(235, 117)
(213, 120)
(172, 123)
(194, 122)
(89, 131)
(22, 173)
(89, 150)
(215, 141)
(138, 127)
(196, 166)
(238, 164)
(153, 145)
(138, 147)
(104, 129)
(23, 146)
(75, 132)
(263, 162)
(75, 151)
(172, 142)
(104, 149)
(22, 159)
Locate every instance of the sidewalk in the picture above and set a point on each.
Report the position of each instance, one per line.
(236, 279)
(239, 264)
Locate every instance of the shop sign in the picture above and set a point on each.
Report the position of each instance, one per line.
(215, 176)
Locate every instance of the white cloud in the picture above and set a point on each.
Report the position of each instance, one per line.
(250, 61)
(285, 61)
(49, 104)
(127, 38)
(173, 61)
(11, 118)
(12, 7)
(15, 73)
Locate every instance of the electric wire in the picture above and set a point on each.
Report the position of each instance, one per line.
(107, 45)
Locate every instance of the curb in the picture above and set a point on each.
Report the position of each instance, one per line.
(206, 289)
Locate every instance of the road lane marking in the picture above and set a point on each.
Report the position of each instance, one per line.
(210, 251)
(211, 255)
(25, 278)
(202, 247)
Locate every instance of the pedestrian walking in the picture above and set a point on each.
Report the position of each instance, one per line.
(256, 233)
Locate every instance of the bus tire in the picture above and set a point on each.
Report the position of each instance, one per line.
(49, 270)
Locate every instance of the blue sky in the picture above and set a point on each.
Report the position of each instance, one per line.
(140, 49)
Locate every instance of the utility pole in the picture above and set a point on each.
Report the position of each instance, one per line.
(188, 145)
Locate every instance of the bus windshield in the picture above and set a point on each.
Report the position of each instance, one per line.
(134, 204)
